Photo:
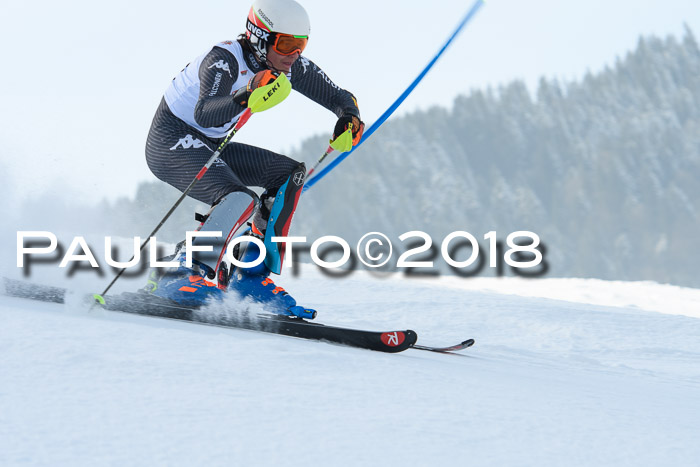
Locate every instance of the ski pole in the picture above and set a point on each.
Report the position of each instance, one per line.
(328, 151)
(260, 99)
(342, 143)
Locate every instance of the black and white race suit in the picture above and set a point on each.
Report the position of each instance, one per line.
(198, 110)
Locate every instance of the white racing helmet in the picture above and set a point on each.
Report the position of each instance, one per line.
(280, 25)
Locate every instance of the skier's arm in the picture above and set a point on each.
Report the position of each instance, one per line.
(217, 74)
(311, 81)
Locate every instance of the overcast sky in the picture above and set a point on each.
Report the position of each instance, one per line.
(82, 79)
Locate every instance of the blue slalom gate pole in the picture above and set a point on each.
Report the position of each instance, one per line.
(470, 14)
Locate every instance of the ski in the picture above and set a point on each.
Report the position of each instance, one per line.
(453, 348)
(143, 304)
(217, 314)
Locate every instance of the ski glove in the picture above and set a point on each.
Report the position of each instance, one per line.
(357, 127)
(261, 78)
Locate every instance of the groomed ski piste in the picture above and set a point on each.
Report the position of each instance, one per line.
(564, 372)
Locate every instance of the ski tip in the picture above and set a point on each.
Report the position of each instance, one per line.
(453, 348)
(99, 299)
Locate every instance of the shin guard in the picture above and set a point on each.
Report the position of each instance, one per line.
(227, 217)
(281, 217)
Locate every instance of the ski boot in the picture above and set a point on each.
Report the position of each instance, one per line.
(183, 285)
(254, 282)
(200, 283)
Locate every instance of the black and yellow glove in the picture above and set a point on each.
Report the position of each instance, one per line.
(357, 127)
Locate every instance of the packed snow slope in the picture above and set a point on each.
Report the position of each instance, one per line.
(590, 378)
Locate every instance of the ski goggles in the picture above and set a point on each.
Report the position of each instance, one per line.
(286, 44)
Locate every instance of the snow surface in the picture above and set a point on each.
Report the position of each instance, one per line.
(595, 380)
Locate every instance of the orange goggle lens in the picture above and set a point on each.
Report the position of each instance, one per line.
(287, 45)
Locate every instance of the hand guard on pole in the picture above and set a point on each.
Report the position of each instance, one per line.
(261, 78)
(341, 143)
(349, 122)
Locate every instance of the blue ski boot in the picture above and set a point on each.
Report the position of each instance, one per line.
(186, 286)
(254, 282)
(196, 285)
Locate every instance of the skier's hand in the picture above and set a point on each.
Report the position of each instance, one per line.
(261, 78)
(357, 127)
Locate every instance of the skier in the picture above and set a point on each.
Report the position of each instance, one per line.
(199, 107)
